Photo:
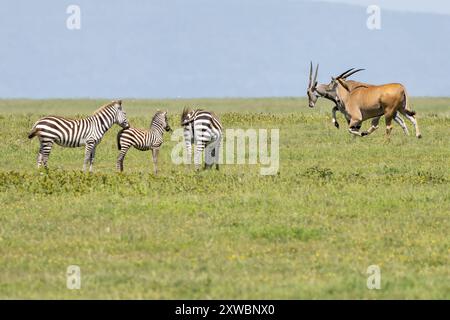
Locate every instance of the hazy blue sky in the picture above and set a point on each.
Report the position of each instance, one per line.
(433, 6)
(220, 48)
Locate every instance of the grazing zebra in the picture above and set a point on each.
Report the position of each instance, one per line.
(205, 130)
(143, 139)
(76, 133)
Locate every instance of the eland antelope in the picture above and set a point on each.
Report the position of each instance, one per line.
(360, 101)
(314, 94)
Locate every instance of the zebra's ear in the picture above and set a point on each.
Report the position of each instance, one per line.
(118, 102)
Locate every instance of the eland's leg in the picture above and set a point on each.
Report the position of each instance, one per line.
(355, 126)
(402, 124)
(374, 126)
(334, 120)
(388, 126)
(413, 120)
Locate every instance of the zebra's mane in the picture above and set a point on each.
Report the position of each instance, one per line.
(156, 115)
(184, 114)
(106, 106)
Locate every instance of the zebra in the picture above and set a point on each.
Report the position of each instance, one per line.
(143, 140)
(86, 132)
(205, 130)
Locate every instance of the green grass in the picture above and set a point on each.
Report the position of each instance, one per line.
(338, 205)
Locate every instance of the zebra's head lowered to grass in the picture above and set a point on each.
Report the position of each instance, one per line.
(160, 120)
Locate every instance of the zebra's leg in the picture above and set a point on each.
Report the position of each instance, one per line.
(91, 159)
(44, 152)
(209, 156)
(188, 140)
(198, 154)
(121, 157)
(155, 153)
(188, 159)
(216, 153)
(40, 155)
(402, 124)
(87, 154)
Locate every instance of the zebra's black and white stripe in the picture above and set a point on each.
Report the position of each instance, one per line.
(202, 128)
(143, 139)
(86, 132)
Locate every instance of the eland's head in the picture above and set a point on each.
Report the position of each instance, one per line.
(331, 90)
(312, 86)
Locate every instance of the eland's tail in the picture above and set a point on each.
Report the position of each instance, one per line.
(408, 111)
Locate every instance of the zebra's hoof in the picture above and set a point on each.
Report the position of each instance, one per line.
(364, 133)
(336, 124)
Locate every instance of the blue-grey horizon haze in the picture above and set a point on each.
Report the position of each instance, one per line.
(429, 6)
(223, 48)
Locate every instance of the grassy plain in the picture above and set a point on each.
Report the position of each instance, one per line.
(338, 205)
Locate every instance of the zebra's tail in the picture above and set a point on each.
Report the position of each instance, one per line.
(33, 132)
(119, 134)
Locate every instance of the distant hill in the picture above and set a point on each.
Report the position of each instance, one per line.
(201, 48)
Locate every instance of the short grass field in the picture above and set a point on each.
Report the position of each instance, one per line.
(338, 205)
